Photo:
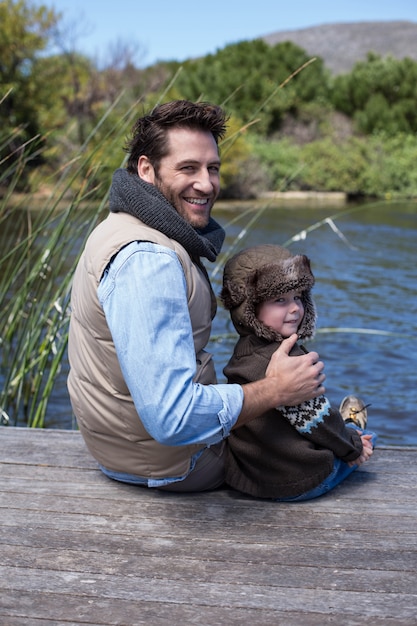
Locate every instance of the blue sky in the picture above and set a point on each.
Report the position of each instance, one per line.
(169, 29)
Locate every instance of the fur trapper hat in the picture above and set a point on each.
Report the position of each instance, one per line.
(262, 273)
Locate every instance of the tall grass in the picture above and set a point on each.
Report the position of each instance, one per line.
(34, 301)
(37, 261)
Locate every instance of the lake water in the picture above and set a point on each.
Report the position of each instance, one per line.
(366, 296)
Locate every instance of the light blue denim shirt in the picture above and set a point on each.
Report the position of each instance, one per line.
(144, 297)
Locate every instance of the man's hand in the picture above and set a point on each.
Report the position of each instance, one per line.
(298, 378)
(288, 381)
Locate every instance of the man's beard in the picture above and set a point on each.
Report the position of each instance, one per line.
(195, 221)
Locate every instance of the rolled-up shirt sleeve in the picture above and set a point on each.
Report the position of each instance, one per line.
(144, 297)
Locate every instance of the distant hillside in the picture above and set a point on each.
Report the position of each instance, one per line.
(342, 45)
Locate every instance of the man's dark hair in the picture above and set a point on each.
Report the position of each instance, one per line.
(149, 134)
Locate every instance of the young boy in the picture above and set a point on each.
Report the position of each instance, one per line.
(289, 453)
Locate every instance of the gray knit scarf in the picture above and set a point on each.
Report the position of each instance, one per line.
(130, 194)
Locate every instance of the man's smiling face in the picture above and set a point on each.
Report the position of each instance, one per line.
(189, 175)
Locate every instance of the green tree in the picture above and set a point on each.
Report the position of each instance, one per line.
(246, 77)
(24, 33)
(380, 94)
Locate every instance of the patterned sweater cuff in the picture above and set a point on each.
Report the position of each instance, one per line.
(308, 415)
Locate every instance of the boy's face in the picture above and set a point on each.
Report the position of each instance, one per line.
(284, 313)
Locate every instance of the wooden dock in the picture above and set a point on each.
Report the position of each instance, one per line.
(77, 548)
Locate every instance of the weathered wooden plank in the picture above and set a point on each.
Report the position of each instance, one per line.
(178, 567)
(269, 553)
(116, 612)
(69, 513)
(231, 594)
(53, 447)
(107, 497)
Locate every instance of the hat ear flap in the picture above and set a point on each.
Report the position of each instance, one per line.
(308, 325)
(256, 295)
(232, 294)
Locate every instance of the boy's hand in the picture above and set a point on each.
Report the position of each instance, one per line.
(367, 451)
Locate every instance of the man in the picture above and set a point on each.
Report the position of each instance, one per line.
(142, 387)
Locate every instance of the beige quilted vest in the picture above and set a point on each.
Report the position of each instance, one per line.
(101, 402)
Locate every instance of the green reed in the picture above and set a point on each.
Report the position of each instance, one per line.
(34, 301)
(37, 262)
